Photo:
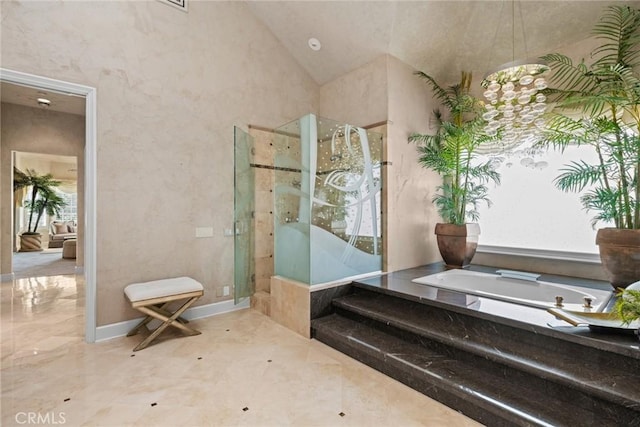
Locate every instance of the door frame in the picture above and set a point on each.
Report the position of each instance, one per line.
(90, 187)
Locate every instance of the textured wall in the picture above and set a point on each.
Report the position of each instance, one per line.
(411, 216)
(359, 97)
(37, 131)
(382, 90)
(170, 87)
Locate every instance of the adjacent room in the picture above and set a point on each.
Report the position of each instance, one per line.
(329, 213)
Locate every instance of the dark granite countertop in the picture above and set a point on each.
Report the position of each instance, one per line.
(400, 283)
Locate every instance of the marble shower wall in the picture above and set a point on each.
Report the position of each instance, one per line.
(170, 87)
(266, 143)
(279, 302)
(264, 177)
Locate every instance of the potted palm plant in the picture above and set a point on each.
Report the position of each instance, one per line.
(43, 199)
(599, 106)
(452, 152)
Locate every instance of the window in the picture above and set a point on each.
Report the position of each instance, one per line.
(529, 212)
(70, 211)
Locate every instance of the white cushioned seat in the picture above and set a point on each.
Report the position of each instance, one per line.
(154, 299)
(161, 288)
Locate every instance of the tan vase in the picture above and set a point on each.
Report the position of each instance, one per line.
(457, 243)
(30, 242)
(620, 255)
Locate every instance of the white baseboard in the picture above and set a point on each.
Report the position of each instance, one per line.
(120, 329)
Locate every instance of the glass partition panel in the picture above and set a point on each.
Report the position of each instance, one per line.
(244, 207)
(292, 202)
(328, 182)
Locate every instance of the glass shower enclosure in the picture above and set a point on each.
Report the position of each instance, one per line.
(327, 200)
(244, 209)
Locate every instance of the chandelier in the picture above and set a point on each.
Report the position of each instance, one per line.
(515, 104)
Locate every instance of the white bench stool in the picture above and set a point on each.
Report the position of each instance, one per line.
(153, 298)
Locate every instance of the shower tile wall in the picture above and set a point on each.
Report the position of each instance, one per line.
(288, 205)
(267, 143)
(264, 176)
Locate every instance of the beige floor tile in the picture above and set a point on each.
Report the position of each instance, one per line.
(243, 370)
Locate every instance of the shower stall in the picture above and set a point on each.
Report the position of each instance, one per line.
(327, 207)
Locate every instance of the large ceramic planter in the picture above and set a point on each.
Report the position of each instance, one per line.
(30, 242)
(457, 243)
(620, 255)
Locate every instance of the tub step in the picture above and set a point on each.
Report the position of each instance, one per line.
(456, 384)
(560, 372)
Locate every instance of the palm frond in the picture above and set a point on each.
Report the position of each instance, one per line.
(577, 175)
(431, 158)
(443, 95)
(618, 27)
(603, 201)
(484, 173)
(570, 77)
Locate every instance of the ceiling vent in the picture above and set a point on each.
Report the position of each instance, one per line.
(179, 4)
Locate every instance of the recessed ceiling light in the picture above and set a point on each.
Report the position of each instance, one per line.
(314, 44)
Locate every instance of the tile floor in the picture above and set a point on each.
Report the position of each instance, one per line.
(243, 370)
(48, 262)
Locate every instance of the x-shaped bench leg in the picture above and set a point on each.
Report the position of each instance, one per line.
(146, 320)
(160, 314)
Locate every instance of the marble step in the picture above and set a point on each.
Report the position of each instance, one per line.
(610, 377)
(482, 396)
(596, 387)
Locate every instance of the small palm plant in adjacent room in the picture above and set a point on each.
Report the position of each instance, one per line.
(43, 199)
(599, 106)
(452, 152)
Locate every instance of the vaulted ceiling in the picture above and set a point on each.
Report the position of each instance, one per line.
(439, 37)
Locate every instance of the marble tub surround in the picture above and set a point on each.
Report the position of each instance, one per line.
(497, 363)
(290, 304)
(242, 360)
(400, 284)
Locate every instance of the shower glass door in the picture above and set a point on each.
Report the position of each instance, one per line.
(244, 190)
(328, 183)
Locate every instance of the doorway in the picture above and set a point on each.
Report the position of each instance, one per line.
(59, 206)
(23, 80)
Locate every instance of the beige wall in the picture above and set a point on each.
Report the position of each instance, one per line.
(359, 97)
(3, 240)
(411, 215)
(387, 90)
(170, 87)
(36, 130)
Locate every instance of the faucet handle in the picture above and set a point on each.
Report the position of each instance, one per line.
(559, 300)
